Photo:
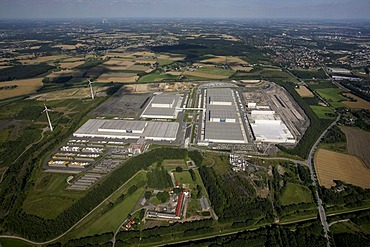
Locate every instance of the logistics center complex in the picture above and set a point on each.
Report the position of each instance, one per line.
(224, 117)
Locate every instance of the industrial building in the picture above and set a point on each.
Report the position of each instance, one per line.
(163, 106)
(268, 127)
(124, 129)
(222, 122)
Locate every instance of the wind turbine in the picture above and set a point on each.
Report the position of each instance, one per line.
(47, 115)
(91, 89)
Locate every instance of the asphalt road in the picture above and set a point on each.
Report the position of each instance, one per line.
(315, 183)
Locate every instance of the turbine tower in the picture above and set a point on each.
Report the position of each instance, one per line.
(91, 90)
(46, 110)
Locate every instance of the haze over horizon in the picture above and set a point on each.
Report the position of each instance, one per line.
(314, 9)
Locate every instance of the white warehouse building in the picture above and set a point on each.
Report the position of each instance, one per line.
(125, 129)
(268, 127)
(163, 106)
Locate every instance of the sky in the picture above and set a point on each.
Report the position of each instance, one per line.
(301, 9)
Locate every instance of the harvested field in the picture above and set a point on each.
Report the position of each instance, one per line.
(114, 55)
(236, 60)
(241, 68)
(332, 166)
(225, 59)
(150, 61)
(71, 65)
(120, 62)
(177, 73)
(74, 73)
(73, 93)
(303, 91)
(143, 53)
(217, 60)
(358, 143)
(4, 67)
(24, 87)
(73, 59)
(205, 75)
(117, 77)
(359, 104)
(147, 69)
(43, 59)
(172, 57)
(69, 47)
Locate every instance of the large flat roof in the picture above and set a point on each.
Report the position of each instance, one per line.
(153, 130)
(123, 125)
(224, 132)
(220, 94)
(164, 99)
(222, 112)
(272, 131)
(160, 112)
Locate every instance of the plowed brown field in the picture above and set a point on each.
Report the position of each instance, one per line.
(332, 166)
(358, 143)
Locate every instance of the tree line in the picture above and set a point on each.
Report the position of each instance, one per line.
(37, 228)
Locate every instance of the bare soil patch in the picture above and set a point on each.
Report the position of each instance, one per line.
(303, 91)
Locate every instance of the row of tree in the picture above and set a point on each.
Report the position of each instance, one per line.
(36, 228)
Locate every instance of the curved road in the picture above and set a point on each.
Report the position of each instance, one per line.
(307, 162)
(78, 222)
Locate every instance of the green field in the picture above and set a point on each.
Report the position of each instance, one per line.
(344, 227)
(172, 164)
(13, 243)
(157, 77)
(113, 218)
(4, 134)
(216, 71)
(332, 96)
(323, 112)
(47, 199)
(165, 61)
(183, 177)
(294, 194)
